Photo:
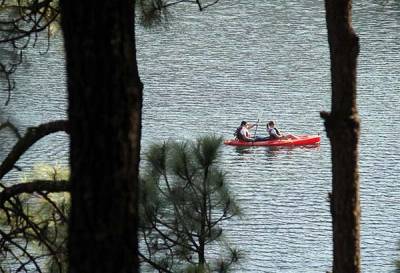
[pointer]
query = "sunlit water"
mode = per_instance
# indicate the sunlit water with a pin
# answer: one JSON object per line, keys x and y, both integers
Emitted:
{"x": 207, "y": 71}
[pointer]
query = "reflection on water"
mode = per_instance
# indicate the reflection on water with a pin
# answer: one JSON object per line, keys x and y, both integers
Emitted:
{"x": 241, "y": 60}
{"x": 272, "y": 150}
{"x": 244, "y": 60}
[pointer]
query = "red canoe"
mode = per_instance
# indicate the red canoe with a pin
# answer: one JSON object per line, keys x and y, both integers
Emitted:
{"x": 301, "y": 140}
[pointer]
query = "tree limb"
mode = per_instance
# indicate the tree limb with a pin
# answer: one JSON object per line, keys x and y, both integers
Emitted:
{"x": 154, "y": 264}
{"x": 32, "y": 135}
{"x": 34, "y": 186}
{"x": 28, "y": 19}
{"x": 197, "y": 2}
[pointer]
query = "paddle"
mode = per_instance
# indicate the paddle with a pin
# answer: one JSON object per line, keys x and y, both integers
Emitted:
{"x": 258, "y": 119}
{"x": 255, "y": 133}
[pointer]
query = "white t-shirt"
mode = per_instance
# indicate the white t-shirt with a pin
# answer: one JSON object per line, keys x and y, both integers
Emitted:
{"x": 245, "y": 132}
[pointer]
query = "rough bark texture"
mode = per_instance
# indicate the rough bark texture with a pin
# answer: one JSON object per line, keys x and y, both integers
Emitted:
{"x": 104, "y": 110}
{"x": 342, "y": 126}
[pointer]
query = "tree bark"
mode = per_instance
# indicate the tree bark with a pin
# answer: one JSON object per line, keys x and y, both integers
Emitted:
{"x": 342, "y": 126}
{"x": 104, "y": 110}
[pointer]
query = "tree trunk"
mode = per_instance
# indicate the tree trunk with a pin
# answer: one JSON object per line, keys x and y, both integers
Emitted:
{"x": 202, "y": 237}
{"x": 104, "y": 110}
{"x": 342, "y": 126}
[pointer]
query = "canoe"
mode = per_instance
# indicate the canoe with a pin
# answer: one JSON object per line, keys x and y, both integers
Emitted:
{"x": 302, "y": 140}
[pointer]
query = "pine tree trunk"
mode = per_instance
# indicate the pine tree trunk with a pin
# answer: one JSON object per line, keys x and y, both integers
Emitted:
{"x": 342, "y": 126}
{"x": 105, "y": 101}
{"x": 202, "y": 237}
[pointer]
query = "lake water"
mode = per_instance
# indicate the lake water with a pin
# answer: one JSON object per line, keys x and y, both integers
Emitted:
{"x": 207, "y": 71}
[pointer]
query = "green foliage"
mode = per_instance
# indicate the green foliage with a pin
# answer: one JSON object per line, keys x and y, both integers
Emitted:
{"x": 36, "y": 224}
{"x": 206, "y": 150}
{"x": 184, "y": 199}
{"x": 155, "y": 12}
{"x": 47, "y": 172}
{"x": 33, "y": 12}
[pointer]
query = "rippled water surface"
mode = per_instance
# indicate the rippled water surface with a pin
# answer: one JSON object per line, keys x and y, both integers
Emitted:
{"x": 207, "y": 71}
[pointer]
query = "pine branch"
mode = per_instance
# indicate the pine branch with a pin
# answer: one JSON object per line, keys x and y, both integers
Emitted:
{"x": 34, "y": 186}
{"x": 23, "y": 249}
{"x": 154, "y": 264}
{"x": 32, "y": 135}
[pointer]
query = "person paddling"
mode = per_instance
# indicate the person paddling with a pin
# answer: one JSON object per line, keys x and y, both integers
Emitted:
{"x": 242, "y": 133}
{"x": 275, "y": 134}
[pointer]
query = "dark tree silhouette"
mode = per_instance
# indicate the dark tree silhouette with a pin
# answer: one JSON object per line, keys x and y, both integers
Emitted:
{"x": 184, "y": 200}
{"x": 342, "y": 126}
{"x": 105, "y": 100}
{"x": 21, "y": 23}
{"x": 104, "y": 112}
{"x": 33, "y": 216}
